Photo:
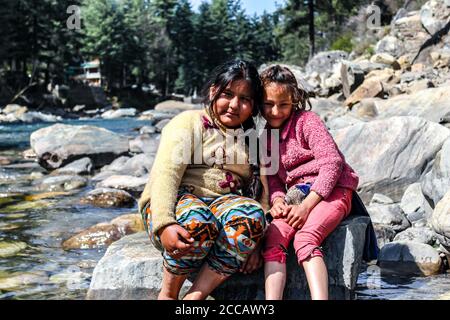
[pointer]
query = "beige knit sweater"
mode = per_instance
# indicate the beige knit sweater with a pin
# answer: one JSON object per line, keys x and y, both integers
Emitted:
{"x": 206, "y": 171}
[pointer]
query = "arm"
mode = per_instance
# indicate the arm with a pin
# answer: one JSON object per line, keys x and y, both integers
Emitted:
{"x": 167, "y": 171}
{"x": 326, "y": 154}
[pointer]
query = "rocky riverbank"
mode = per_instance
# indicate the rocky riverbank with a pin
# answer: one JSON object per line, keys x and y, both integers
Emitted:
{"x": 389, "y": 113}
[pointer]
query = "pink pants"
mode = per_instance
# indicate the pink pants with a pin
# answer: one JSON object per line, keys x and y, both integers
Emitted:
{"x": 322, "y": 220}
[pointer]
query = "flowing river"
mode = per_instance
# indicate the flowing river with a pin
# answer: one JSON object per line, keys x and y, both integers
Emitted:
{"x": 35, "y": 226}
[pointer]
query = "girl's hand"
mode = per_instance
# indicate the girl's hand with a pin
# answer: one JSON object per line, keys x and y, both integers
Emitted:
{"x": 253, "y": 262}
{"x": 176, "y": 240}
{"x": 297, "y": 215}
{"x": 279, "y": 208}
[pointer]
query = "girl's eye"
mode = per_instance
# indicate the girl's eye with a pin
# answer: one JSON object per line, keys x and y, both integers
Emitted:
{"x": 227, "y": 94}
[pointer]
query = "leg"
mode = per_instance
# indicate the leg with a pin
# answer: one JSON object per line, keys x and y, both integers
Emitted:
{"x": 323, "y": 219}
{"x": 278, "y": 236}
{"x": 275, "y": 280}
{"x": 207, "y": 280}
{"x": 195, "y": 216}
{"x": 171, "y": 285}
{"x": 243, "y": 224}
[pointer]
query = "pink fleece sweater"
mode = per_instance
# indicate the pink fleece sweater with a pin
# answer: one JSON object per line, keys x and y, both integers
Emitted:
{"x": 308, "y": 153}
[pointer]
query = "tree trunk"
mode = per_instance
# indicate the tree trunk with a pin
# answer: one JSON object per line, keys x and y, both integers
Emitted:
{"x": 312, "y": 31}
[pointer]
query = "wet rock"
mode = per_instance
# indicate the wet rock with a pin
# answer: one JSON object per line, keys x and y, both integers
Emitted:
{"x": 119, "y": 113}
{"x": 144, "y": 144}
{"x": 390, "y": 154}
{"x": 103, "y": 234}
{"x": 132, "y": 269}
{"x": 73, "y": 278}
{"x": 29, "y": 154}
{"x": 137, "y": 166}
{"x": 161, "y": 124}
{"x": 63, "y": 183}
{"x": 421, "y": 235}
{"x": 409, "y": 258}
{"x": 4, "y": 161}
{"x": 78, "y": 167}
{"x": 25, "y": 206}
{"x": 147, "y": 130}
{"x": 133, "y": 185}
{"x": 60, "y": 144}
{"x": 46, "y": 195}
{"x": 14, "y": 281}
{"x": 384, "y": 233}
{"x": 107, "y": 198}
{"x": 155, "y": 116}
{"x": 390, "y": 215}
{"x": 10, "y": 249}
{"x": 414, "y": 204}
{"x": 174, "y": 105}
{"x": 116, "y": 165}
{"x": 437, "y": 182}
{"x": 14, "y": 108}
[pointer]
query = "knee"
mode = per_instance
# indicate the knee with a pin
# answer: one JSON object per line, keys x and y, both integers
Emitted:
{"x": 307, "y": 246}
{"x": 246, "y": 229}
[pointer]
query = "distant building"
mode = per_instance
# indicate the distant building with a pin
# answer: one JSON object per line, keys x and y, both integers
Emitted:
{"x": 92, "y": 75}
{"x": 88, "y": 73}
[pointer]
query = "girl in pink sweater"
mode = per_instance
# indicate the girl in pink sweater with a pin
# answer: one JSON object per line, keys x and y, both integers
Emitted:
{"x": 311, "y": 162}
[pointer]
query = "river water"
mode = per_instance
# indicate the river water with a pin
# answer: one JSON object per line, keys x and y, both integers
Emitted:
{"x": 42, "y": 270}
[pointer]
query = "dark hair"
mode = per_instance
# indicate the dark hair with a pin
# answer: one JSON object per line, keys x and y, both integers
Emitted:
{"x": 230, "y": 71}
{"x": 284, "y": 76}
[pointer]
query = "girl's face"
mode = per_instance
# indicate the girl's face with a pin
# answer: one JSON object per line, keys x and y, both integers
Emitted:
{"x": 235, "y": 104}
{"x": 278, "y": 105}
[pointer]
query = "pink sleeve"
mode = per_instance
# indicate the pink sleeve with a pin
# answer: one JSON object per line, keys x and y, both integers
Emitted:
{"x": 276, "y": 187}
{"x": 326, "y": 154}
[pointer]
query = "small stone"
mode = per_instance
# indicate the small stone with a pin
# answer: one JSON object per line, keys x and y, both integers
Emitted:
{"x": 9, "y": 249}
{"x": 107, "y": 198}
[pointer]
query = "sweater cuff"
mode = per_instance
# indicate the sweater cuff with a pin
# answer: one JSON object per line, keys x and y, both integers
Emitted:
{"x": 276, "y": 194}
{"x": 323, "y": 192}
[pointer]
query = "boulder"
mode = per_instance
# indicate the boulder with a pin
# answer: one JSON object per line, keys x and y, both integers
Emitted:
{"x": 11, "y": 248}
{"x": 379, "y": 198}
{"x": 390, "y": 154}
{"x": 109, "y": 198}
{"x": 133, "y": 185}
{"x": 119, "y": 113}
{"x": 323, "y": 62}
{"x": 103, "y": 234}
{"x": 174, "y": 105}
{"x": 132, "y": 269}
{"x": 161, "y": 124}
{"x": 421, "y": 235}
{"x": 437, "y": 182}
{"x": 82, "y": 166}
{"x": 62, "y": 183}
{"x": 390, "y": 45}
{"x": 414, "y": 204}
{"x": 431, "y": 104}
{"x": 155, "y": 116}
{"x": 390, "y": 215}
{"x": 434, "y": 15}
{"x": 409, "y": 259}
{"x": 384, "y": 234}
{"x": 144, "y": 143}
{"x": 440, "y": 221}
{"x": 369, "y": 89}
{"x": 60, "y": 144}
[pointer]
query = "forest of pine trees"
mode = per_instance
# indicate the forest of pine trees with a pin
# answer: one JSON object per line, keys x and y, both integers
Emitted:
{"x": 160, "y": 42}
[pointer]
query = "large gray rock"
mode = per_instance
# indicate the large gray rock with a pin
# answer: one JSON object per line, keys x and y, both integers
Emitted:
{"x": 131, "y": 184}
{"x": 60, "y": 144}
{"x": 144, "y": 143}
{"x": 132, "y": 269}
{"x": 440, "y": 221}
{"x": 421, "y": 234}
{"x": 323, "y": 62}
{"x": 107, "y": 198}
{"x": 431, "y": 104}
{"x": 437, "y": 182}
{"x": 119, "y": 113}
{"x": 390, "y": 215}
{"x": 384, "y": 234}
{"x": 434, "y": 15}
{"x": 61, "y": 183}
{"x": 414, "y": 204}
{"x": 409, "y": 258}
{"x": 390, "y": 45}
{"x": 390, "y": 154}
{"x": 82, "y": 166}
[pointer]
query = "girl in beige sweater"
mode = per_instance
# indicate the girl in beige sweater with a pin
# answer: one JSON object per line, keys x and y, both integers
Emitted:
{"x": 197, "y": 205}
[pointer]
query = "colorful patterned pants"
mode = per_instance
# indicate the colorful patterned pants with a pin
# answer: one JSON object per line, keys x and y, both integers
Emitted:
{"x": 226, "y": 230}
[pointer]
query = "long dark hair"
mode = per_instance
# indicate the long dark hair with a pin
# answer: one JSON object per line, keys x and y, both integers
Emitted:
{"x": 235, "y": 70}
